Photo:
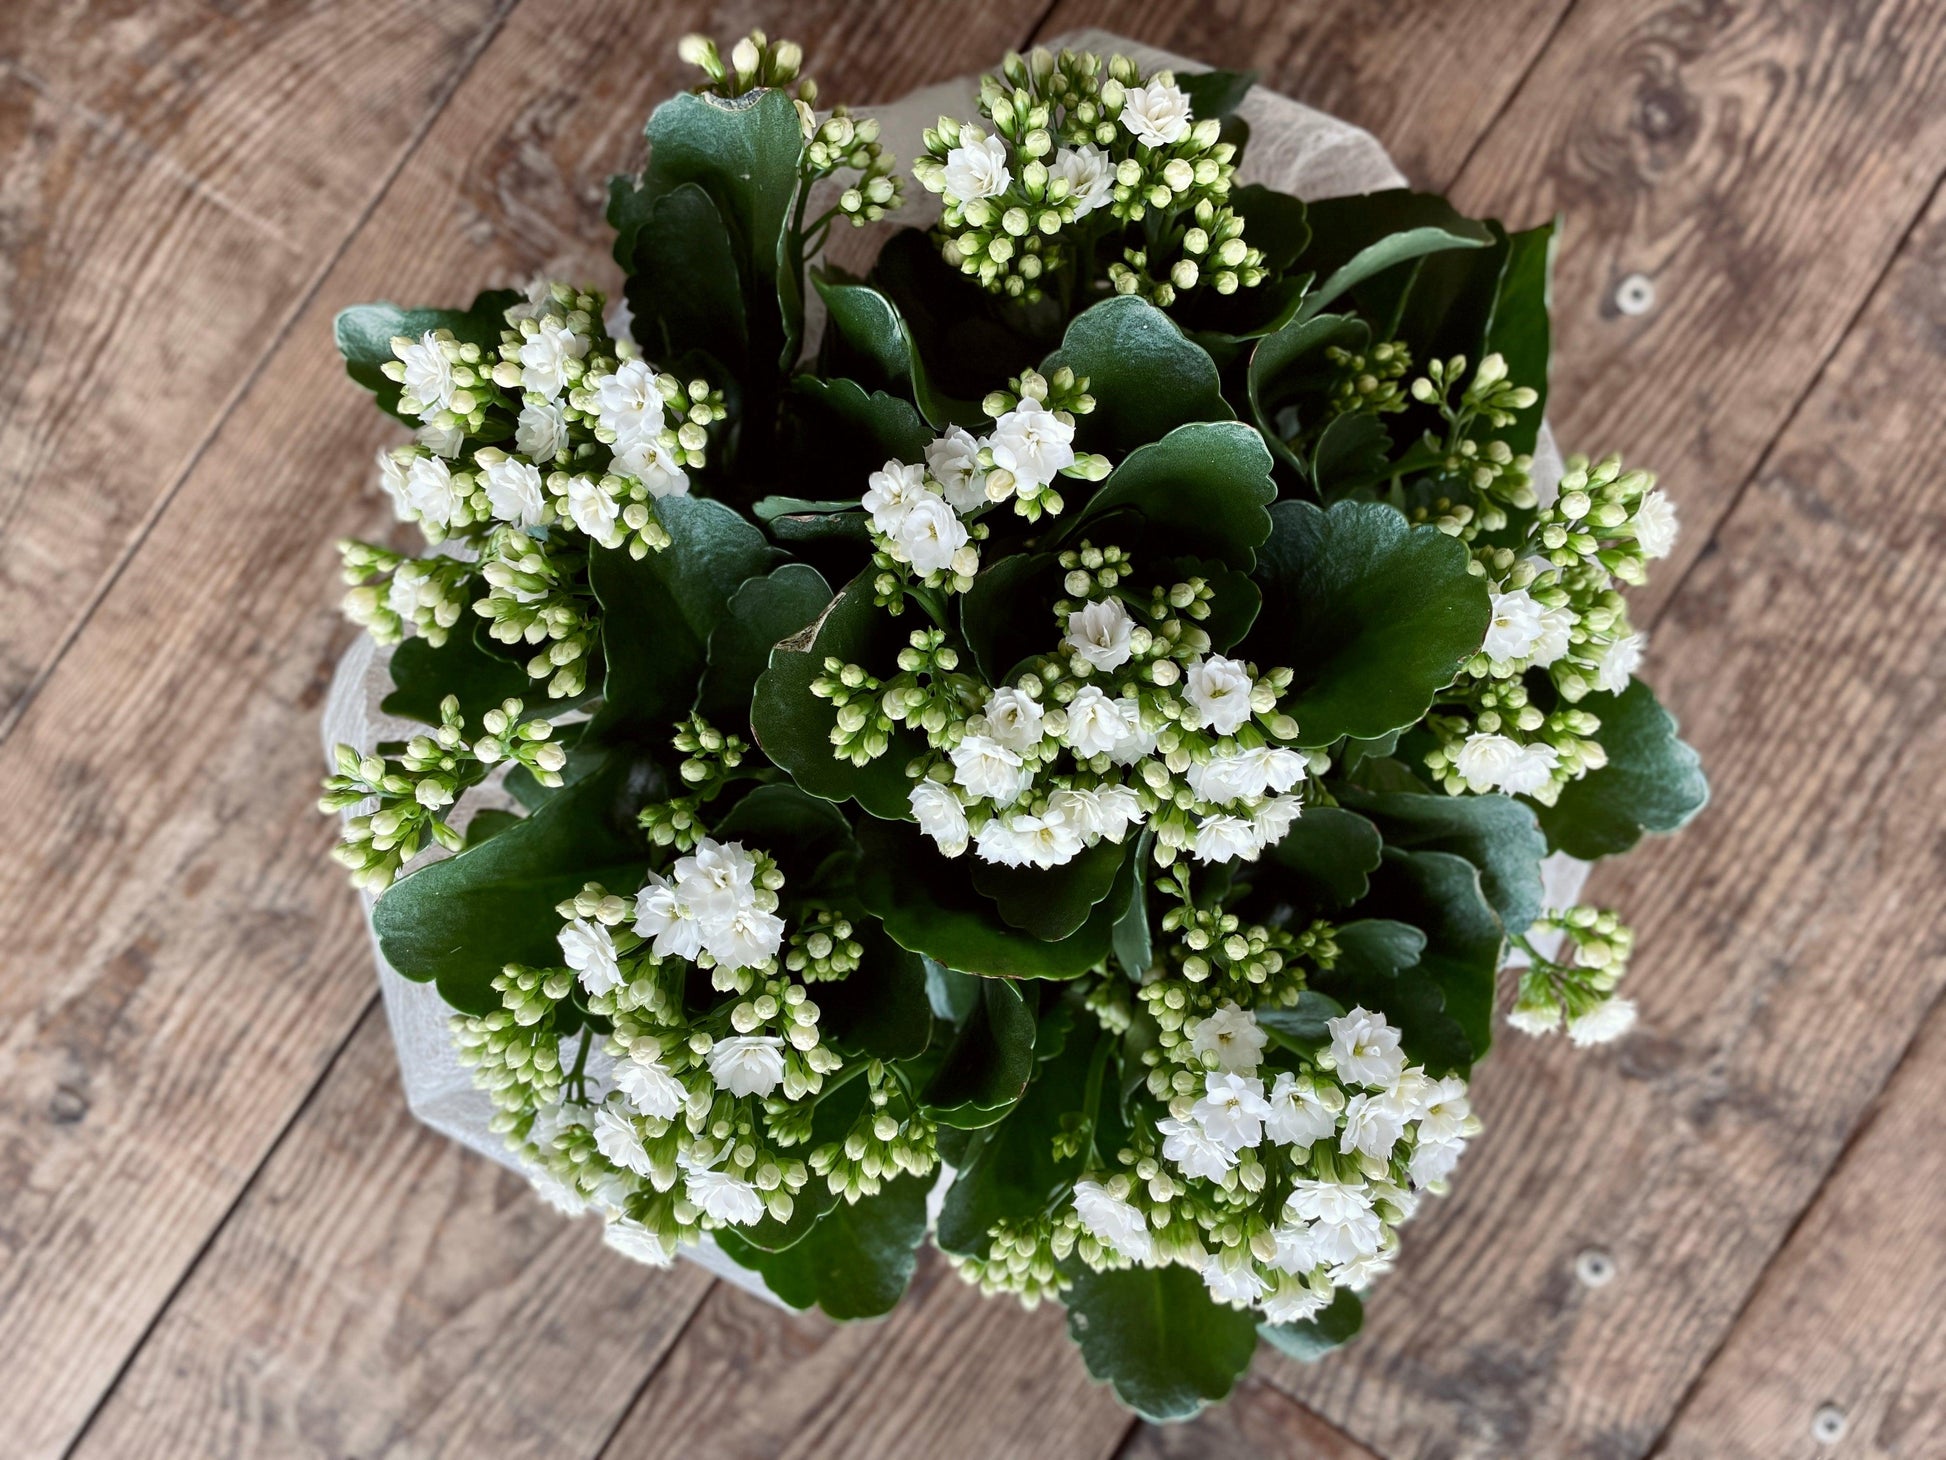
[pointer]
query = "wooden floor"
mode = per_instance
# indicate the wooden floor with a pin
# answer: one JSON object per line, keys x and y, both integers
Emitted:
{"x": 222, "y": 1235}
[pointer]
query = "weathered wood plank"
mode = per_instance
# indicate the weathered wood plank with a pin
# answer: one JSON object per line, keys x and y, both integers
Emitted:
{"x": 1789, "y": 947}
{"x": 1849, "y": 1316}
{"x": 174, "y": 180}
{"x": 382, "y": 1291}
{"x": 1758, "y": 164}
{"x": 1426, "y": 77}
{"x": 947, "y": 1374}
{"x": 184, "y": 959}
{"x": 1257, "y": 1422}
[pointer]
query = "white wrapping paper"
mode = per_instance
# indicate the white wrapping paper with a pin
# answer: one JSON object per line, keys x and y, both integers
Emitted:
{"x": 1292, "y": 147}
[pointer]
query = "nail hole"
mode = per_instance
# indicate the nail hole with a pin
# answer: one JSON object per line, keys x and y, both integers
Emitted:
{"x": 1635, "y": 294}
{"x": 1595, "y": 1268}
{"x": 1828, "y": 1425}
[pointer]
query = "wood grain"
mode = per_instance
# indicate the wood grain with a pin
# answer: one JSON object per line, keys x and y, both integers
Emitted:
{"x": 184, "y": 959}
{"x": 1789, "y": 948}
{"x": 1257, "y": 1422}
{"x": 1759, "y": 164}
{"x": 1849, "y": 1316}
{"x": 382, "y": 1291}
{"x": 948, "y": 1374}
{"x": 169, "y": 198}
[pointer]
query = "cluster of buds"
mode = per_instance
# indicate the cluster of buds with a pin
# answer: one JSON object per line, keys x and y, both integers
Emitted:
{"x": 755, "y": 62}
{"x": 393, "y": 595}
{"x": 1368, "y": 381}
{"x": 1077, "y": 146}
{"x": 538, "y": 595}
{"x": 889, "y": 1138}
{"x": 413, "y": 789}
{"x": 1581, "y": 989}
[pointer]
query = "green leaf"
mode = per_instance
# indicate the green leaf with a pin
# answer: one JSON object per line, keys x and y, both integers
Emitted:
{"x": 1315, "y": 1337}
{"x": 856, "y": 1262}
{"x": 1497, "y": 834}
{"x": 837, "y": 1111}
{"x": 1215, "y": 93}
{"x": 929, "y": 904}
{"x": 843, "y": 434}
{"x": 1374, "y": 615}
{"x": 365, "y": 332}
{"x": 867, "y": 336}
{"x": 1519, "y": 329}
{"x": 881, "y": 1009}
{"x": 1326, "y": 858}
{"x": 1146, "y": 376}
{"x": 793, "y": 726}
{"x": 998, "y": 614}
{"x": 989, "y": 1061}
{"x": 1652, "y": 782}
{"x": 1287, "y": 361}
{"x": 424, "y": 676}
{"x": 759, "y": 614}
{"x": 1052, "y": 903}
{"x": 1203, "y": 488}
{"x": 1132, "y": 939}
{"x": 1350, "y": 450}
{"x": 1010, "y": 1170}
{"x": 458, "y": 922}
{"x": 1302, "y": 1026}
{"x": 1357, "y": 238}
{"x": 680, "y": 236}
{"x": 658, "y": 612}
{"x": 1159, "y": 1338}
{"x": 488, "y": 822}
{"x": 1274, "y": 223}
{"x": 802, "y": 834}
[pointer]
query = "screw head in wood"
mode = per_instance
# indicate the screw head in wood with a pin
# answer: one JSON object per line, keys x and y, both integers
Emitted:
{"x": 1829, "y": 1424}
{"x": 1595, "y": 1268}
{"x": 1635, "y": 294}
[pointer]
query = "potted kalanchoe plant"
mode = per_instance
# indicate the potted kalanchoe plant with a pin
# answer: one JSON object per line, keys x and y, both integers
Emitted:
{"x": 1082, "y": 734}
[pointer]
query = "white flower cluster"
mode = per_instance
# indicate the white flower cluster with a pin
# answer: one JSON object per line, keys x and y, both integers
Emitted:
{"x": 1282, "y": 1186}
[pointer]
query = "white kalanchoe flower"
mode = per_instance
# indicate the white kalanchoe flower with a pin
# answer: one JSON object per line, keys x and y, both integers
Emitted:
{"x": 590, "y": 952}
{"x": 1358, "y": 1273}
{"x": 1342, "y": 1224}
{"x": 1226, "y": 838}
{"x": 1232, "y": 1110}
{"x": 514, "y": 492}
{"x": 1557, "y": 628}
{"x": 1485, "y": 760}
{"x": 668, "y": 920}
{"x": 1231, "y": 1277}
{"x": 428, "y": 378}
{"x": 1099, "y": 634}
{"x": 747, "y": 1064}
{"x": 544, "y": 357}
{"x": 954, "y": 461}
{"x": 1035, "y": 841}
{"x": 930, "y": 534}
{"x": 443, "y": 441}
{"x": 632, "y": 1239}
{"x": 1100, "y": 811}
{"x": 1301, "y": 1113}
{"x": 1532, "y": 771}
{"x": 1619, "y": 661}
{"x": 717, "y": 867}
{"x": 594, "y": 511}
{"x": 1158, "y": 114}
{"x": 1513, "y": 627}
{"x": 1445, "y": 1112}
{"x": 430, "y": 491}
{"x": 986, "y": 768}
{"x": 1433, "y": 1161}
{"x": 1094, "y": 723}
{"x": 392, "y": 467}
{"x": 652, "y": 464}
{"x": 1364, "y": 1049}
{"x": 541, "y": 433}
{"x": 1137, "y": 743}
{"x": 1374, "y": 1124}
{"x": 1293, "y": 1301}
{"x": 1032, "y": 444}
{"x": 554, "y": 1191}
{"x": 940, "y": 816}
{"x": 1089, "y": 175}
{"x": 1219, "y": 692}
{"x": 746, "y": 937}
{"x": 1195, "y": 1152}
{"x": 1273, "y": 820}
{"x": 618, "y": 1140}
{"x": 649, "y": 1086}
{"x": 1233, "y": 1035}
{"x": 1607, "y": 1021}
{"x": 1115, "y": 1222}
{"x": 627, "y": 403}
{"x": 1013, "y": 718}
{"x": 977, "y": 168}
{"x": 891, "y": 492}
{"x": 1655, "y": 524}
{"x": 723, "y": 1195}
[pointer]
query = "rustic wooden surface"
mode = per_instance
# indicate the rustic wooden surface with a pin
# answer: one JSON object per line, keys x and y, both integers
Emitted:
{"x": 220, "y": 1232}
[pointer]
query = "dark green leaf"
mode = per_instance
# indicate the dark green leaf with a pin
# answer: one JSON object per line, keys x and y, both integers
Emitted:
{"x": 365, "y": 332}
{"x": 881, "y": 1009}
{"x": 844, "y": 434}
{"x": 489, "y": 822}
{"x": 760, "y": 613}
{"x": 856, "y": 1262}
{"x": 1274, "y": 223}
{"x": 1351, "y": 449}
{"x": 1519, "y": 330}
{"x": 1497, "y": 834}
{"x": 801, "y": 833}
{"x": 1326, "y": 858}
{"x": 1315, "y": 1337}
{"x": 997, "y": 614}
{"x": 1652, "y": 782}
{"x": 1355, "y": 239}
{"x": 988, "y": 1063}
{"x": 866, "y": 336}
{"x": 1203, "y": 488}
{"x": 1374, "y": 615}
{"x": 1215, "y": 93}
{"x": 1159, "y": 1338}
{"x": 681, "y": 236}
{"x": 1301, "y": 1027}
{"x": 1146, "y": 376}
{"x": 424, "y": 676}
{"x": 460, "y": 921}
{"x": 1052, "y": 903}
{"x": 838, "y": 1109}
{"x": 1286, "y": 362}
{"x": 1133, "y": 941}
{"x": 794, "y": 726}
